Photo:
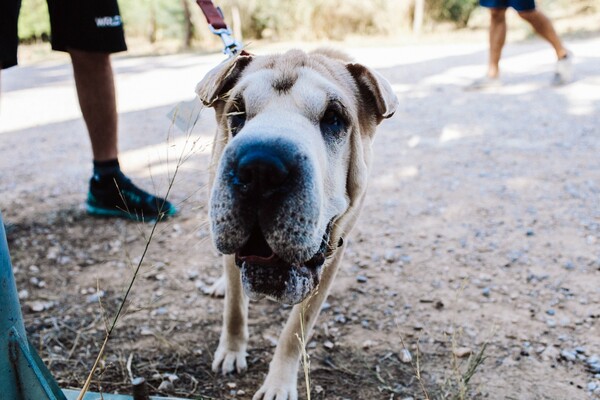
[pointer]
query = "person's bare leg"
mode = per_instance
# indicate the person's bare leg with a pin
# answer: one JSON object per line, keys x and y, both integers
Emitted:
{"x": 96, "y": 93}
{"x": 544, "y": 28}
{"x": 497, "y": 39}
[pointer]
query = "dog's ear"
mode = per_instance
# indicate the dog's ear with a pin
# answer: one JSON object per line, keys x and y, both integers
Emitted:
{"x": 221, "y": 79}
{"x": 375, "y": 91}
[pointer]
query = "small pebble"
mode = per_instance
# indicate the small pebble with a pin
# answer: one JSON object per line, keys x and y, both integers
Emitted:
{"x": 486, "y": 292}
{"x": 461, "y": 352}
{"x": 405, "y": 258}
{"x": 405, "y": 356}
{"x": 192, "y": 275}
{"x": 568, "y": 355}
{"x": 361, "y": 279}
{"x": 390, "y": 256}
{"x": 171, "y": 377}
{"x": 160, "y": 311}
{"x": 94, "y": 298}
{"x": 593, "y": 359}
{"x": 39, "y": 306}
{"x": 166, "y": 386}
{"x": 340, "y": 318}
{"x": 328, "y": 344}
{"x": 569, "y": 265}
{"x": 367, "y": 344}
{"x": 550, "y": 312}
{"x": 145, "y": 331}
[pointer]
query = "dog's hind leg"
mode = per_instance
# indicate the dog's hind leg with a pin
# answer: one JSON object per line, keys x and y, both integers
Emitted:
{"x": 231, "y": 352}
{"x": 281, "y": 381}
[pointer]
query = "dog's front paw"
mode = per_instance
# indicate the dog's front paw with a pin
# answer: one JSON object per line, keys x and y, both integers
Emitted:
{"x": 217, "y": 289}
{"x": 228, "y": 361}
{"x": 277, "y": 388}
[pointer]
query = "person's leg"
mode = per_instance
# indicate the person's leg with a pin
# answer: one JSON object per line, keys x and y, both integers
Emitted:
{"x": 76, "y": 31}
{"x": 111, "y": 193}
{"x": 96, "y": 93}
{"x": 497, "y": 38}
{"x": 545, "y": 29}
{"x": 543, "y": 26}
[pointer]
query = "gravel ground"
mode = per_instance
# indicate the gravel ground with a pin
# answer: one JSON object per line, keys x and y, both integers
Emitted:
{"x": 481, "y": 232}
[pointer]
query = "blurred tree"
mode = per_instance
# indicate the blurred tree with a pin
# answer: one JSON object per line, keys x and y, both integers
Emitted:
{"x": 279, "y": 19}
{"x": 188, "y": 24}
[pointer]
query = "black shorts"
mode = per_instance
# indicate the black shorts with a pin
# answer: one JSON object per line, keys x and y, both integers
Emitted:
{"x": 9, "y": 40}
{"x": 88, "y": 25}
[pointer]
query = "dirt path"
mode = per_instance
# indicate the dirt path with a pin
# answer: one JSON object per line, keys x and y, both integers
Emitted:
{"x": 482, "y": 226}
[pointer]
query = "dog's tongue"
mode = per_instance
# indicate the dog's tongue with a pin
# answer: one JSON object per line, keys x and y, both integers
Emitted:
{"x": 273, "y": 259}
{"x": 257, "y": 250}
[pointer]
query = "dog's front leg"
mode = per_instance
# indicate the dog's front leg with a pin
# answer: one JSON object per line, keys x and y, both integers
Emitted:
{"x": 231, "y": 353}
{"x": 281, "y": 381}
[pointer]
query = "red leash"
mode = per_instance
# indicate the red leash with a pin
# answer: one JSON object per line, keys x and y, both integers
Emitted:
{"x": 217, "y": 25}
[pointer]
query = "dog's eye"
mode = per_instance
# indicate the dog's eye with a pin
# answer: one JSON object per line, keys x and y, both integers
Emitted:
{"x": 237, "y": 119}
{"x": 332, "y": 123}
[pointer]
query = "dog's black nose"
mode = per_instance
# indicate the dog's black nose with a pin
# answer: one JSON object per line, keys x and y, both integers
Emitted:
{"x": 261, "y": 171}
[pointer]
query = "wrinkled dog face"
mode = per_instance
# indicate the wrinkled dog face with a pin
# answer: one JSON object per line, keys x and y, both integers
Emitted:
{"x": 284, "y": 151}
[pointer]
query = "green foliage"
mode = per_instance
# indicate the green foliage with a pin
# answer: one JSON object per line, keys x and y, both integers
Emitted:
{"x": 33, "y": 21}
{"x": 457, "y": 11}
{"x": 272, "y": 19}
{"x": 155, "y": 19}
{"x": 312, "y": 19}
{"x": 142, "y": 18}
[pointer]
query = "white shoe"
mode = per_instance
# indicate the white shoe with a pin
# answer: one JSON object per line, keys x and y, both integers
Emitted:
{"x": 564, "y": 70}
{"x": 484, "y": 83}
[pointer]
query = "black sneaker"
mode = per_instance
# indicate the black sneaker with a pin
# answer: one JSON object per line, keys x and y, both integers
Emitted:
{"x": 117, "y": 196}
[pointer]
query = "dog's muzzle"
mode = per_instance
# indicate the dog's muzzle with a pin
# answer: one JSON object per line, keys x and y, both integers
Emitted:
{"x": 264, "y": 273}
{"x": 265, "y": 209}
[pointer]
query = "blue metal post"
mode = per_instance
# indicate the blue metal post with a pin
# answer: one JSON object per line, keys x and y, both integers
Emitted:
{"x": 11, "y": 321}
{"x": 23, "y": 376}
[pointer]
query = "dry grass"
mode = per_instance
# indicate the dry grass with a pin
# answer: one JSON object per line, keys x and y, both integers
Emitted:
{"x": 183, "y": 156}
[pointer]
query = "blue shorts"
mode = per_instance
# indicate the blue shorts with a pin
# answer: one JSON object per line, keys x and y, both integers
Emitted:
{"x": 519, "y": 5}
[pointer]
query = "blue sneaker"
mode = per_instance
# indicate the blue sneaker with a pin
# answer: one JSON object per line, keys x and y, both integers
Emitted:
{"x": 117, "y": 196}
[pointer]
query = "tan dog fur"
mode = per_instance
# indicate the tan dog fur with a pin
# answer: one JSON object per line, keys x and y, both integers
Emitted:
{"x": 299, "y": 82}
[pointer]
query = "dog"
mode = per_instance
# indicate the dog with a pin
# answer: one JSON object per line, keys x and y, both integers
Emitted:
{"x": 289, "y": 170}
